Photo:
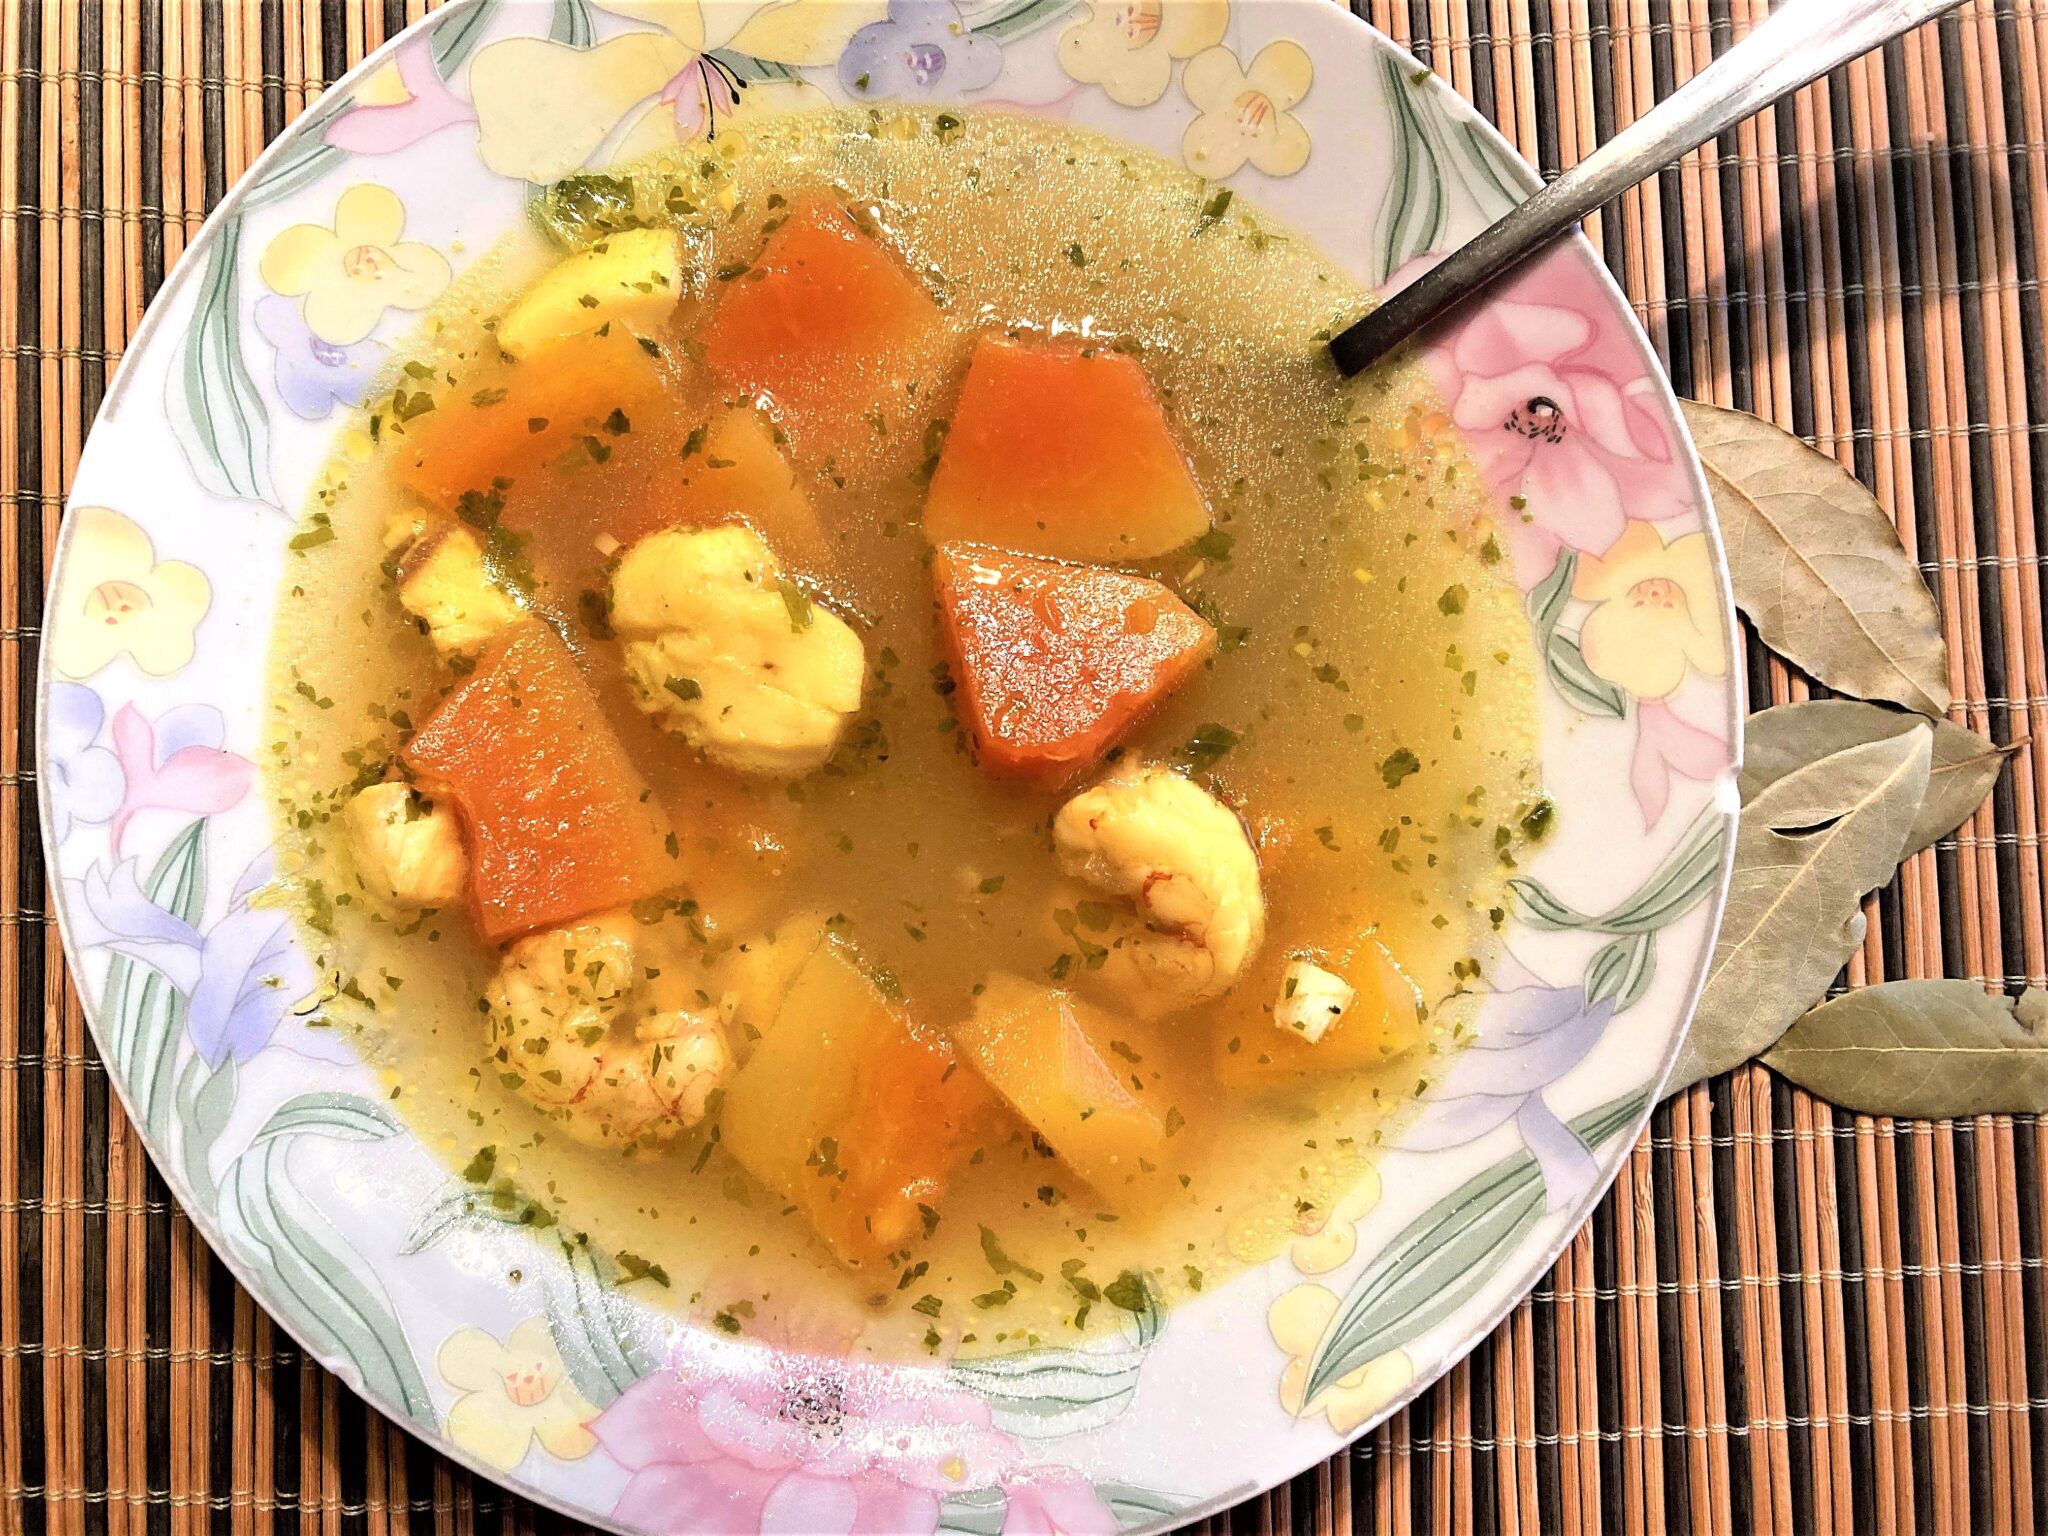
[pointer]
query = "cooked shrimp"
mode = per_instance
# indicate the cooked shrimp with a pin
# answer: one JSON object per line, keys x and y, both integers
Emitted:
{"x": 1183, "y": 859}
{"x": 566, "y": 1034}
{"x": 723, "y": 650}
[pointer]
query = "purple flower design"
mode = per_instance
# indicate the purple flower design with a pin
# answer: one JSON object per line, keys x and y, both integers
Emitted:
{"x": 239, "y": 977}
{"x": 921, "y": 47}
{"x": 1534, "y": 1035}
{"x": 85, "y": 778}
{"x": 314, "y": 376}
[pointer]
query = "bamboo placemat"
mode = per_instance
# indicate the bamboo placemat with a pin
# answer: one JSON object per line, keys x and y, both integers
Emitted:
{"x": 1784, "y": 1318}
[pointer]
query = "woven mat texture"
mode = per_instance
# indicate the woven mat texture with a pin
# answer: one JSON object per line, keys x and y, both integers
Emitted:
{"x": 1784, "y": 1318}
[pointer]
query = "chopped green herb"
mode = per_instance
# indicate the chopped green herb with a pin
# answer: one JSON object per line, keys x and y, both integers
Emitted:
{"x": 1399, "y": 765}
{"x": 1206, "y": 747}
{"x": 405, "y": 407}
{"x": 322, "y": 532}
{"x": 578, "y": 211}
{"x": 1229, "y": 636}
{"x": 1129, "y": 1292}
{"x": 633, "y": 1267}
{"x": 1001, "y": 1262}
{"x": 797, "y": 602}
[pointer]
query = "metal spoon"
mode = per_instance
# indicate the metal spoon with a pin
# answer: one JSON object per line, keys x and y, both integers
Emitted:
{"x": 1797, "y": 43}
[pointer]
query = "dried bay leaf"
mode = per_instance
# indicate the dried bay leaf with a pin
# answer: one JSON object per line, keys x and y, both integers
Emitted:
{"x": 1965, "y": 765}
{"x": 1817, "y": 565}
{"x": 1809, "y": 847}
{"x": 1924, "y": 1049}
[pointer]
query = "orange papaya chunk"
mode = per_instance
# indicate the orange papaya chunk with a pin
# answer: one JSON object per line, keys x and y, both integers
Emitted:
{"x": 822, "y": 320}
{"x": 850, "y": 1116}
{"x": 559, "y": 823}
{"x": 1046, "y": 1052}
{"x": 1062, "y": 450}
{"x": 731, "y": 470}
{"x": 1383, "y": 1023}
{"x": 518, "y": 421}
{"x": 1059, "y": 661}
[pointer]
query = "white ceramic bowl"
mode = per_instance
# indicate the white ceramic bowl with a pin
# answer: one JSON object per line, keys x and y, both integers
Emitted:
{"x": 354, "y": 1236}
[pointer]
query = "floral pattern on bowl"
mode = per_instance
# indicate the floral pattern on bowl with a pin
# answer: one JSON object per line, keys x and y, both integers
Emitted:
{"x": 568, "y": 1382}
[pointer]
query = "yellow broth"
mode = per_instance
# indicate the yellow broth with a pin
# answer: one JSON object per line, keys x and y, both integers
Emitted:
{"x": 1368, "y": 624}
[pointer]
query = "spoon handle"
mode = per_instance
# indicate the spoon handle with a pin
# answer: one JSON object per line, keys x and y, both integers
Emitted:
{"x": 1797, "y": 43}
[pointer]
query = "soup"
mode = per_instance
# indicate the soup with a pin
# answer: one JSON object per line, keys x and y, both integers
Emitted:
{"x": 876, "y": 730}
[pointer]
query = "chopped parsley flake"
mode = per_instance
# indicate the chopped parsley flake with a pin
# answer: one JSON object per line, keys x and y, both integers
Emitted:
{"x": 1399, "y": 765}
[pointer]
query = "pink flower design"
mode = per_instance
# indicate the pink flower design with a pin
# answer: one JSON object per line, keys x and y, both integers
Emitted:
{"x": 733, "y": 1438}
{"x": 1055, "y": 1501}
{"x": 1666, "y": 744}
{"x": 399, "y": 105}
{"x": 176, "y": 764}
{"x": 703, "y": 95}
{"x": 1549, "y": 387}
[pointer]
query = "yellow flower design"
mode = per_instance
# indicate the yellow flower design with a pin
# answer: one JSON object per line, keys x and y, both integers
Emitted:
{"x": 1128, "y": 46}
{"x": 796, "y": 32}
{"x": 513, "y": 1394}
{"x": 352, "y": 273}
{"x": 1245, "y": 113}
{"x": 1297, "y": 1321}
{"x": 544, "y": 109}
{"x": 703, "y": 98}
{"x": 1656, "y": 615}
{"x": 383, "y": 87}
{"x": 1318, "y": 1226}
{"x": 116, "y": 598}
